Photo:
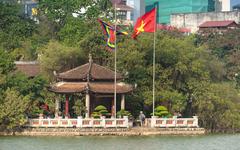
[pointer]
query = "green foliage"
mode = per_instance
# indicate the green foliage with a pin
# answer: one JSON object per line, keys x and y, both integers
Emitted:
{"x": 100, "y": 107}
{"x": 58, "y": 57}
{"x": 99, "y": 111}
{"x": 13, "y": 26}
{"x": 12, "y": 109}
{"x": 79, "y": 107}
{"x": 123, "y": 112}
{"x": 6, "y": 62}
{"x": 162, "y": 111}
{"x": 73, "y": 31}
{"x": 59, "y": 10}
{"x": 218, "y": 107}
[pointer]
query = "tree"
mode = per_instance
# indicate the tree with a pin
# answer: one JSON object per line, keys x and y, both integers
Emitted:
{"x": 217, "y": 106}
{"x": 59, "y": 10}
{"x": 58, "y": 57}
{"x": 73, "y": 31}
{"x": 12, "y": 109}
{"x": 14, "y": 27}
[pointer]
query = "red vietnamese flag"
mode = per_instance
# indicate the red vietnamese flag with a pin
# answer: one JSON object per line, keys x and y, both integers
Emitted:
{"x": 145, "y": 23}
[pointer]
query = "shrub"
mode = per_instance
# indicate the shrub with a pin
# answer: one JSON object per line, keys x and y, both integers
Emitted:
{"x": 161, "y": 111}
{"x": 100, "y": 107}
{"x": 123, "y": 112}
{"x": 99, "y": 111}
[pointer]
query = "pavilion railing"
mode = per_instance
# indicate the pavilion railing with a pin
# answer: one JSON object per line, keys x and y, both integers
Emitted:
{"x": 81, "y": 123}
{"x": 174, "y": 122}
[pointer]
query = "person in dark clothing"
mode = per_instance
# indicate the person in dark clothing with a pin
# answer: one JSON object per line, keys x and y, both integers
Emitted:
{"x": 142, "y": 118}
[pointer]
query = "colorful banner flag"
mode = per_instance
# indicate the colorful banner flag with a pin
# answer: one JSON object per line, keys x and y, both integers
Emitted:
{"x": 145, "y": 23}
{"x": 109, "y": 31}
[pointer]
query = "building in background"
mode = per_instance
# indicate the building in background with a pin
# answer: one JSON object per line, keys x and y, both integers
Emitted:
{"x": 124, "y": 11}
{"x": 167, "y": 7}
{"x": 30, "y": 9}
{"x": 139, "y": 8}
{"x": 192, "y": 21}
{"x": 226, "y": 5}
{"x": 219, "y": 27}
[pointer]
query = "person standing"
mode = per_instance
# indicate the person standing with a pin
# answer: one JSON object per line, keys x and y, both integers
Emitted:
{"x": 142, "y": 118}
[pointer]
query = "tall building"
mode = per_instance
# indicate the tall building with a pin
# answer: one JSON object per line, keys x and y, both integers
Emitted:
{"x": 226, "y": 5}
{"x": 167, "y": 7}
{"x": 139, "y": 8}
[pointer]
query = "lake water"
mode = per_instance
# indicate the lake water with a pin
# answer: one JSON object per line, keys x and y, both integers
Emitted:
{"x": 209, "y": 142}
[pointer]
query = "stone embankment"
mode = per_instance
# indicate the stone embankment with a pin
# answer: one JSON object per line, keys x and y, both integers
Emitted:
{"x": 136, "y": 131}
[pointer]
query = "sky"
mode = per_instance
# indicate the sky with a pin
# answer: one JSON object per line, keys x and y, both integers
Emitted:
{"x": 235, "y": 2}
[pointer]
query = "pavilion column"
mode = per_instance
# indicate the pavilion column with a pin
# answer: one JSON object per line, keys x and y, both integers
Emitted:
{"x": 67, "y": 106}
{"x": 123, "y": 101}
{"x": 112, "y": 108}
{"x": 56, "y": 107}
{"x": 87, "y": 104}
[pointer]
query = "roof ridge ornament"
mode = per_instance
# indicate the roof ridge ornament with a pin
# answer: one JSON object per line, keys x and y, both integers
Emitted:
{"x": 90, "y": 58}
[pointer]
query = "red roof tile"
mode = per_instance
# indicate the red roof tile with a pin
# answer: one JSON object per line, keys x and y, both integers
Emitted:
{"x": 96, "y": 72}
{"x": 217, "y": 23}
{"x": 29, "y": 68}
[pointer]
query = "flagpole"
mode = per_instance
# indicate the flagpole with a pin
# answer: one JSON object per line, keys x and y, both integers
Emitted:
{"x": 115, "y": 65}
{"x": 154, "y": 70}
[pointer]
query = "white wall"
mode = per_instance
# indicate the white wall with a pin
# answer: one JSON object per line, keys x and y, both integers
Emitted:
{"x": 193, "y": 20}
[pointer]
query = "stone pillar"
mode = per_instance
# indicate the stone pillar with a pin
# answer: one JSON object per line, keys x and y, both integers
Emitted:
{"x": 112, "y": 109}
{"x": 123, "y": 101}
{"x": 87, "y": 104}
{"x": 56, "y": 108}
{"x": 67, "y": 106}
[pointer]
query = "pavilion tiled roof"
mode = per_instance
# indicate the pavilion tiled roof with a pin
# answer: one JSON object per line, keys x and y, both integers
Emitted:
{"x": 95, "y": 72}
{"x": 96, "y": 87}
{"x": 210, "y": 24}
{"x": 109, "y": 87}
{"x": 29, "y": 68}
{"x": 68, "y": 87}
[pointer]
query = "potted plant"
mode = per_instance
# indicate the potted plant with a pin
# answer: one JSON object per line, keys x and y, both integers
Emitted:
{"x": 100, "y": 111}
{"x": 162, "y": 111}
{"x": 79, "y": 108}
{"x": 123, "y": 112}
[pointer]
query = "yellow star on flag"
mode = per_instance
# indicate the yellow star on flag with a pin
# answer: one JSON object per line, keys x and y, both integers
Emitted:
{"x": 141, "y": 28}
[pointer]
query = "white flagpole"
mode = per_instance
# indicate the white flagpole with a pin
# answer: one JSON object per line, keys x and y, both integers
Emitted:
{"x": 115, "y": 66}
{"x": 154, "y": 70}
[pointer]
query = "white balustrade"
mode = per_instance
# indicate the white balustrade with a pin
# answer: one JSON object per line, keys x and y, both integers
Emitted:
{"x": 174, "y": 122}
{"x": 79, "y": 122}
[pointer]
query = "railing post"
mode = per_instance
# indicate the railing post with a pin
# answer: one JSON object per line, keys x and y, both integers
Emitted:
{"x": 79, "y": 121}
{"x": 103, "y": 122}
{"x": 175, "y": 121}
{"x": 195, "y": 122}
{"x": 185, "y": 122}
{"x": 126, "y": 121}
{"x": 153, "y": 121}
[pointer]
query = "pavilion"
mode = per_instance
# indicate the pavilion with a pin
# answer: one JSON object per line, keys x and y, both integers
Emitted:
{"x": 96, "y": 83}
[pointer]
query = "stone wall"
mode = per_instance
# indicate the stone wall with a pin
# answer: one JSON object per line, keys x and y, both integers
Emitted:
{"x": 193, "y": 20}
{"x": 105, "y": 131}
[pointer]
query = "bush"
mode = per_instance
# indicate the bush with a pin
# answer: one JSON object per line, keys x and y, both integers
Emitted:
{"x": 162, "y": 111}
{"x": 79, "y": 108}
{"x": 99, "y": 111}
{"x": 123, "y": 112}
{"x": 100, "y": 107}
